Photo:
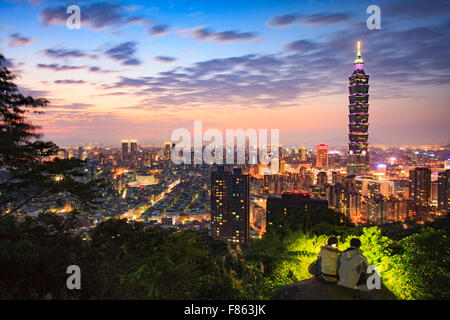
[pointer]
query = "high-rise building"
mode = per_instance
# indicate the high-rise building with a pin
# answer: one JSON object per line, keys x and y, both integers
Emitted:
{"x": 124, "y": 149}
{"x": 80, "y": 152}
{"x": 336, "y": 177}
{"x": 133, "y": 153}
{"x": 420, "y": 190}
{"x": 230, "y": 206}
{"x": 322, "y": 179}
{"x": 321, "y": 155}
{"x": 167, "y": 151}
{"x": 280, "y": 158}
{"x": 358, "y": 119}
{"x": 133, "y": 147}
{"x": 303, "y": 156}
{"x": 444, "y": 191}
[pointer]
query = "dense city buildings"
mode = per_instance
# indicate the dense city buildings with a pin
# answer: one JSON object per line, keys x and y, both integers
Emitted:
{"x": 153, "y": 190}
{"x": 406, "y": 184}
{"x": 358, "y": 119}
{"x": 230, "y": 204}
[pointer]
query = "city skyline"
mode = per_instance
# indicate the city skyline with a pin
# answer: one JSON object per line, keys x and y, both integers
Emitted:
{"x": 142, "y": 71}
{"x": 203, "y": 151}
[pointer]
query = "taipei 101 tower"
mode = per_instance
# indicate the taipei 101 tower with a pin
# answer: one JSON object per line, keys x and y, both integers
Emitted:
{"x": 358, "y": 126}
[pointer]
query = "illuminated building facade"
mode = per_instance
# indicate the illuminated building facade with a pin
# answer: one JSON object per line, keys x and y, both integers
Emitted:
{"x": 80, "y": 153}
{"x": 124, "y": 149}
{"x": 358, "y": 164}
{"x": 321, "y": 155}
{"x": 303, "y": 157}
{"x": 167, "y": 151}
{"x": 230, "y": 206}
{"x": 133, "y": 147}
{"x": 133, "y": 153}
{"x": 420, "y": 189}
{"x": 322, "y": 179}
{"x": 444, "y": 191}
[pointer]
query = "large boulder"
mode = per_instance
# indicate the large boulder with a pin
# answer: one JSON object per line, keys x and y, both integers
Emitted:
{"x": 313, "y": 289}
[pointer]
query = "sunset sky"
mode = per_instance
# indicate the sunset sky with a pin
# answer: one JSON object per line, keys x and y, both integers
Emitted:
{"x": 140, "y": 69}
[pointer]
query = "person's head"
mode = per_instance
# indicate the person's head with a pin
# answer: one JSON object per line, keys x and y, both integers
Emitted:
{"x": 332, "y": 241}
{"x": 355, "y": 242}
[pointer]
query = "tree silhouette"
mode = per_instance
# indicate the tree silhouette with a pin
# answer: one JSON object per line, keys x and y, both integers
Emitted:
{"x": 27, "y": 171}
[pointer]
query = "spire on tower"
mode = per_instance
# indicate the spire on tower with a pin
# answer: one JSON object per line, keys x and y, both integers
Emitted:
{"x": 359, "y": 60}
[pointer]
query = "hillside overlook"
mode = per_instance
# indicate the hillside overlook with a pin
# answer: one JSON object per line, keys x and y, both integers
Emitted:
{"x": 312, "y": 289}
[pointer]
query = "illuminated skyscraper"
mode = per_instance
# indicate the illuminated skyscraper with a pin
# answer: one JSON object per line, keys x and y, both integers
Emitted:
{"x": 420, "y": 189}
{"x": 444, "y": 191}
{"x": 167, "y": 151}
{"x": 358, "y": 119}
{"x": 133, "y": 147}
{"x": 280, "y": 158}
{"x": 321, "y": 155}
{"x": 80, "y": 152}
{"x": 303, "y": 157}
{"x": 124, "y": 149}
{"x": 322, "y": 179}
{"x": 133, "y": 153}
{"x": 230, "y": 206}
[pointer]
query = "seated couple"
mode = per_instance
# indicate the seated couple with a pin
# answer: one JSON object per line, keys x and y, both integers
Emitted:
{"x": 348, "y": 268}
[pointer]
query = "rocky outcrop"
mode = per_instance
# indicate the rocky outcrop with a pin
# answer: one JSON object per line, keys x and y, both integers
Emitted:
{"x": 313, "y": 289}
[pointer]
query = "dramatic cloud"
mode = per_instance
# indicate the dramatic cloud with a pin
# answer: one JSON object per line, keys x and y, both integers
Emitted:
{"x": 413, "y": 57}
{"x": 66, "y": 53}
{"x": 124, "y": 53}
{"x": 129, "y": 82}
{"x": 96, "y": 16}
{"x": 284, "y": 20}
{"x": 16, "y": 40}
{"x": 99, "y": 70}
{"x": 203, "y": 33}
{"x": 165, "y": 59}
{"x": 57, "y": 67}
{"x": 72, "y": 106}
{"x": 159, "y": 30}
{"x": 301, "y": 45}
{"x": 69, "y": 81}
{"x": 319, "y": 19}
{"x": 34, "y": 93}
{"x": 325, "y": 19}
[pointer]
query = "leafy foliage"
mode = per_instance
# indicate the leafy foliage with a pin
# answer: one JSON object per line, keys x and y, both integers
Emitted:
{"x": 423, "y": 267}
{"x": 122, "y": 260}
{"x": 26, "y": 174}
